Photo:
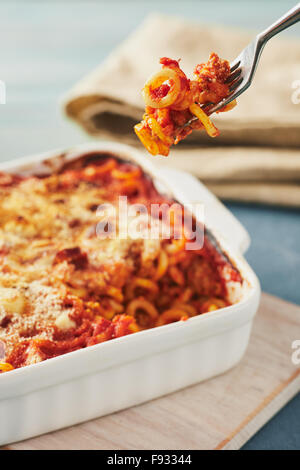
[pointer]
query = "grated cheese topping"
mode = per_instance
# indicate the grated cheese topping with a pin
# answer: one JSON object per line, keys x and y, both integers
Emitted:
{"x": 38, "y": 219}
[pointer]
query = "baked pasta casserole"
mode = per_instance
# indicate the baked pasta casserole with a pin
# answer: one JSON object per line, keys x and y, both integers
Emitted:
{"x": 64, "y": 286}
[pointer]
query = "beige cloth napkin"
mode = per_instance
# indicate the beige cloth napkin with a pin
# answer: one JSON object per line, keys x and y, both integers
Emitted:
{"x": 256, "y": 157}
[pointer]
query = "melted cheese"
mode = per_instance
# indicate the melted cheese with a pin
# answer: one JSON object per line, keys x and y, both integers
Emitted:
{"x": 38, "y": 220}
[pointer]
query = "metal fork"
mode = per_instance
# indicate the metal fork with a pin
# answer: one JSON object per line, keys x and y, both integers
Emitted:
{"x": 244, "y": 66}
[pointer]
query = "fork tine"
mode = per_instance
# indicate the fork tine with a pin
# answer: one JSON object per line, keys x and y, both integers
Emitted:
{"x": 234, "y": 65}
{"x": 235, "y": 84}
{"x": 233, "y": 76}
{"x": 221, "y": 104}
{"x": 203, "y": 106}
{"x": 234, "y": 81}
{"x": 235, "y": 91}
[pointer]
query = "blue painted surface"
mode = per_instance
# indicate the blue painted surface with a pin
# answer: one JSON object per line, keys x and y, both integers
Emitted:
{"x": 275, "y": 247}
{"x": 274, "y": 254}
{"x": 281, "y": 433}
{"x": 47, "y": 46}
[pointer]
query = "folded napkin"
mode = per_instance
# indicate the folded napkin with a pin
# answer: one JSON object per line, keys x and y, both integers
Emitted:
{"x": 256, "y": 157}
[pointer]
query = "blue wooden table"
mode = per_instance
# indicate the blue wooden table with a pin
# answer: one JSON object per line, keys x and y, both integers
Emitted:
{"x": 47, "y": 46}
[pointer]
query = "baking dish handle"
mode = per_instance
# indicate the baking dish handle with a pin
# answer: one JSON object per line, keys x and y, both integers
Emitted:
{"x": 217, "y": 217}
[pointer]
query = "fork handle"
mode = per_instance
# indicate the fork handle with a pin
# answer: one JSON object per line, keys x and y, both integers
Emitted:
{"x": 287, "y": 20}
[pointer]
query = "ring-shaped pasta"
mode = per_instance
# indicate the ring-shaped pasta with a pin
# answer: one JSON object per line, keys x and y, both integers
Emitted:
{"x": 144, "y": 305}
{"x": 92, "y": 172}
{"x": 143, "y": 283}
{"x": 116, "y": 306}
{"x": 203, "y": 117}
{"x": 176, "y": 245}
{"x": 145, "y": 136}
{"x": 170, "y": 316}
{"x": 5, "y": 367}
{"x": 111, "y": 308}
{"x": 115, "y": 292}
{"x": 186, "y": 295}
{"x": 213, "y": 304}
{"x": 126, "y": 175}
{"x": 162, "y": 265}
{"x": 131, "y": 186}
{"x": 188, "y": 308}
{"x": 177, "y": 275}
{"x": 158, "y": 130}
{"x": 157, "y": 80}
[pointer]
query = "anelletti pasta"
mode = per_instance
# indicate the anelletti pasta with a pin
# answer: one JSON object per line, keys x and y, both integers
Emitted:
{"x": 172, "y": 100}
{"x": 64, "y": 287}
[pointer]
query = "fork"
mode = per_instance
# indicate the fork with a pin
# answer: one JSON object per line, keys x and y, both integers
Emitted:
{"x": 244, "y": 66}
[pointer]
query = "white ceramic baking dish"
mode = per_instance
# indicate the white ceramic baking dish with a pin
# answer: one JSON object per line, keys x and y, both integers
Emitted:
{"x": 111, "y": 376}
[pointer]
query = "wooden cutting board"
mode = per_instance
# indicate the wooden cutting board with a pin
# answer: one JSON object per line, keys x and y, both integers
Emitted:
{"x": 222, "y": 413}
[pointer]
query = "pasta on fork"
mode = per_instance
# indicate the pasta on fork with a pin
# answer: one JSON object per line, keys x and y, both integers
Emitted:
{"x": 172, "y": 101}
